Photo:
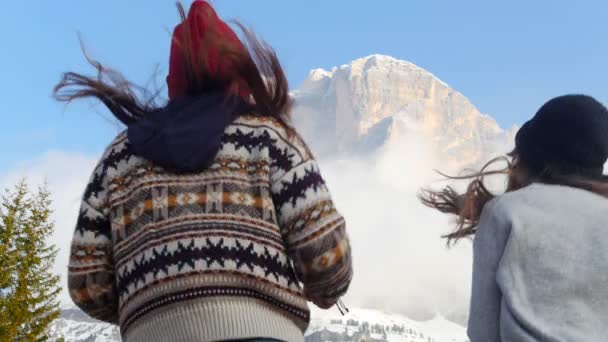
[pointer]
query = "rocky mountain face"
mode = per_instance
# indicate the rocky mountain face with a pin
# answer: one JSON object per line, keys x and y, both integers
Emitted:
{"x": 378, "y": 100}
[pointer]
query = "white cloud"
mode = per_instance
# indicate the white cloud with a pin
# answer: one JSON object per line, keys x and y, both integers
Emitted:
{"x": 401, "y": 263}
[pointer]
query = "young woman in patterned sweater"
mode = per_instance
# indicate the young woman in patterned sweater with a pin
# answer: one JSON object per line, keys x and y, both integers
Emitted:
{"x": 207, "y": 219}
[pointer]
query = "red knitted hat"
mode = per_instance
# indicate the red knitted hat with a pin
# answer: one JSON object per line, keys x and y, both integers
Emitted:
{"x": 202, "y": 22}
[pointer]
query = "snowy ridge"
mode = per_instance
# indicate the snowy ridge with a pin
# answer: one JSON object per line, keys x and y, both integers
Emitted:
{"x": 358, "y": 66}
{"x": 326, "y": 326}
{"x": 372, "y": 325}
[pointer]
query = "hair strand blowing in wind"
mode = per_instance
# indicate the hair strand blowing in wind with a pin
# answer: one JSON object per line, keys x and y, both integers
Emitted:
{"x": 252, "y": 68}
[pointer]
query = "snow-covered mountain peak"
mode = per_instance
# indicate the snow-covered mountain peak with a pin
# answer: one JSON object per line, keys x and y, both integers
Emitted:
{"x": 316, "y": 75}
{"x": 382, "y": 63}
{"x": 373, "y": 101}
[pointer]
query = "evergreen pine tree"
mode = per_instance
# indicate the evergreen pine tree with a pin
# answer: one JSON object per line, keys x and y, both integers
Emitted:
{"x": 28, "y": 289}
{"x": 11, "y": 211}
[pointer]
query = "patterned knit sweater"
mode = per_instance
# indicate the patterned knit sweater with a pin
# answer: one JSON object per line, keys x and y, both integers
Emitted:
{"x": 224, "y": 253}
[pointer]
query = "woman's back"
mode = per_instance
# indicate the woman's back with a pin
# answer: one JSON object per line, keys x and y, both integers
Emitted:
{"x": 208, "y": 219}
{"x": 208, "y": 256}
{"x": 550, "y": 244}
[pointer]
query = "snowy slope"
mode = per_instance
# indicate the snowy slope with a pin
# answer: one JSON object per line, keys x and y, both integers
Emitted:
{"x": 75, "y": 325}
{"x": 372, "y": 325}
{"x": 328, "y": 326}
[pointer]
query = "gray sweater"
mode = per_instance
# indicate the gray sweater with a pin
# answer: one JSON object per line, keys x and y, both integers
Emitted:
{"x": 540, "y": 270}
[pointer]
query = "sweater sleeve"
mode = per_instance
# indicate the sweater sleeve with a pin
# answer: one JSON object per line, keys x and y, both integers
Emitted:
{"x": 91, "y": 271}
{"x": 488, "y": 247}
{"x": 314, "y": 231}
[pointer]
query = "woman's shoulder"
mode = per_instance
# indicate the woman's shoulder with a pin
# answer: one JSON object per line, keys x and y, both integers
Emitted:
{"x": 497, "y": 209}
{"x": 255, "y": 121}
{"x": 505, "y": 207}
{"x": 526, "y": 195}
{"x": 118, "y": 146}
{"x": 547, "y": 194}
{"x": 116, "y": 155}
{"x": 278, "y": 132}
{"x": 511, "y": 203}
{"x": 534, "y": 201}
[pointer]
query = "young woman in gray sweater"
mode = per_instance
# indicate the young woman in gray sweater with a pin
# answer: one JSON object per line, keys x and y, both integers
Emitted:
{"x": 540, "y": 269}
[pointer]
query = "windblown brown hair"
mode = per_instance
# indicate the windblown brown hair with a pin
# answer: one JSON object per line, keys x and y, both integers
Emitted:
{"x": 468, "y": 206}
{"x": 257, "y": 66}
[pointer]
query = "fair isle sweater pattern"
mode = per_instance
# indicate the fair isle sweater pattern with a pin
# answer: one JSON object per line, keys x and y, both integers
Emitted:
{"x": 258, "y": 224}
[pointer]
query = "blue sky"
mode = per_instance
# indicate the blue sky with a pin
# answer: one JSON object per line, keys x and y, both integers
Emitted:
{"x": 507, "y": 57}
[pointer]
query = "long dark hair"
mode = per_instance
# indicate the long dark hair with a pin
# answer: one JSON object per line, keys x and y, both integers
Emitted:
{"x": 257, "y": 65}
{"x": 467, "y": 206}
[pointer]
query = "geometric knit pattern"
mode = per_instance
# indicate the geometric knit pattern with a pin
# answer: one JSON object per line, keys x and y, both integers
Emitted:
{"x": 259, "y": 226}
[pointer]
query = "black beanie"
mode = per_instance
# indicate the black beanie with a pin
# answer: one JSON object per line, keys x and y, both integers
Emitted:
{"x": 569, "y": 133}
